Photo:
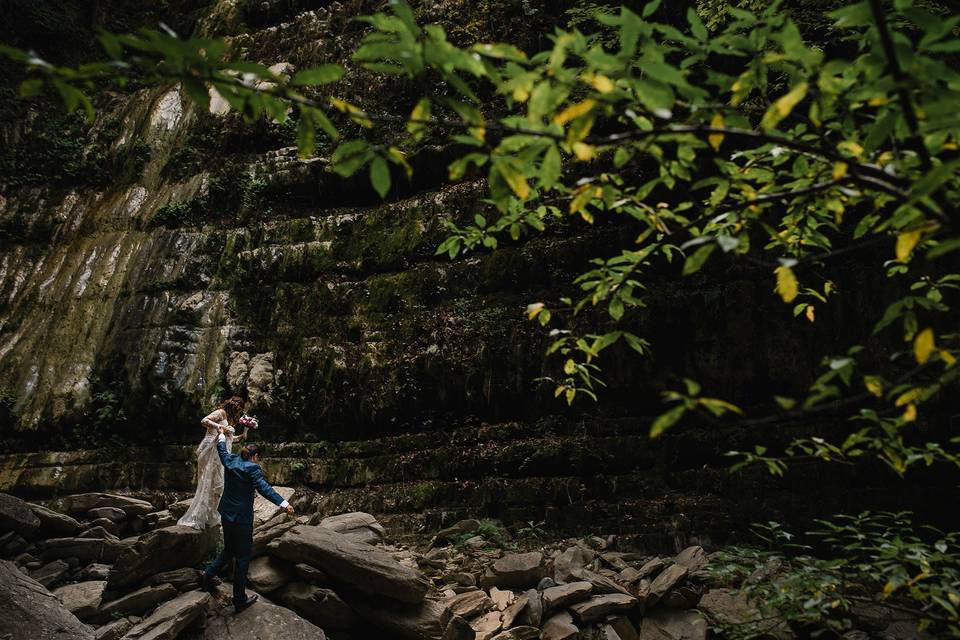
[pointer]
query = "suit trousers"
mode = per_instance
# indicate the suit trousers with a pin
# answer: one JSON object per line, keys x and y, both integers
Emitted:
{"x": 237, "y": 545}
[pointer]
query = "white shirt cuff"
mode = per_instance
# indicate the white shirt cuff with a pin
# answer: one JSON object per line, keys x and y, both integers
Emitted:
{"x": 221, "y": 438}
{"x": 284, "y": 504}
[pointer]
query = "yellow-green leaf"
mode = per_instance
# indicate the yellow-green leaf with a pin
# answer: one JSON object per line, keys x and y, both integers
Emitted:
{"x": 716, "y": 139}
{"x": 666, "y": 420}
{"x": 574, "y": 111}
{"x": 533, "y": 310}
{"x": 783, "y": 106}
{"x": 514, "y": 179}
{"x": 583, "y": 151}
{"x": 839, "y": 169}
{"x": 874, "y": 385}
{"x": 906, "y": 241}
{"x": 923, "y": 345}
{"x": 787, "y": 285}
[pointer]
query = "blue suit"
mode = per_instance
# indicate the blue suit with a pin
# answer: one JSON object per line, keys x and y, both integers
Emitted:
{"x": 240, "y": 479}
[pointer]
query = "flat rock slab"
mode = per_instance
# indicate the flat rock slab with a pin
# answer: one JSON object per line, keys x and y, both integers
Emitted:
{"x": 668, "y": 579}
{"x": 564, "y": 594}
{"x": 519, "y": 570}
{"x": 360, "y": 565}
{"x": 183, "y": 579}
{"x": 322, "y": 607}
{"x": 732, "y": 607}
{"x": 262, "y": 621}
{"x": 137, "y": 602}
{"x": 16, "y": 515}
{"x": 427, "y": 620}
{"x": 267, "y": 574}
{"x": 110, "y": 513}
{"x": 358, "y": 526}
{"x": 162, "y": 550}
{"x": 469, "y": 604}
{"x": 54, "y": 524}
{"x": 113, "y": 630}
{"x": 105, "y": 550}
{"x": 572, "y": 558}
{"x": 28, "y": 610}
{"x": 83, "y": 598}
{"x": 673, "y": 625}
{"x": 559, "y": 627}
{"x": 82, "y": 502}
{"x": 518, "y": 633}
{"x": 693, "y": 558}
{"x": 598, "y": 607}
{"x": 50, "y": 573}
{"x": 170, "y": 618}
{"x": 264, "y": 510}
{"x": 487, "y": 625}
{"x": 512, "y": 612}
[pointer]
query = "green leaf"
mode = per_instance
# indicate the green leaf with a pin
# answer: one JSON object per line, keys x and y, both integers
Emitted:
{"x": 323, "y": 74}
{"x": 666, "y": 420}
{"x": 550, "y": 167}
{"x": 695, "y": 261}
{"x": 696, "y": 25}
{"x": 783, "y": 106}
{"x": 380, "y": 176}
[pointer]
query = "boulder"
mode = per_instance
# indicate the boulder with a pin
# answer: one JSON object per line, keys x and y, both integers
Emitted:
{"x": 469, "y": 604}
{"x": 96, "y": 571}
{"x": 564, "y": 594}
{"x": 162, "y": 550}
{"x": 264, "y": 510}
{"x": 136, "y": 603}
{"x": 358, "y": 526}
{"x": 54, "y": 524}
{"x": 731, "y": 607}
{"x": 668, "y": 624}
{"x": 518, "y": 633}
{"x": 16, "y": 515}
{"x": 83, "y": 502}
{"x": 622, "y": 626}
{"x": 177, "y": 509}
{"x": 501, "y": 599}
{"x": 518, "y": 570}
{"x": 359, "y": 565}
{"x": 28, "y": 610}
{"x": 533, "y": 613}
{"x": 183, "y": 579}
{"x": 559, "y": 627}
{"x": 267, "y": 574}
{"x": 170, "y": 618}
{"x": 322, "y": 607}
{"x": 99, "y": 531}
{"x": 512, "y": 612}
{"x": 113, "y": 630}
{"x": 50, "y": 573}
{"x": 651, "y": 568}
{"x": 598, "y": 607}
{"x": 427, "y": 620}
{"x": 159, "y": 519}
{"x": 85, "y": 549}
{"x": 310, "y": 574}
{"x": 572, "y": 558}
{"x": 83, "y": 598}
{"x": 667, "y": 580}
{"x": 458, "y": 528}
{"x": 601, "y": 584}
{"x": 110, "y": 513}
{"x": 487, "y": 625}
{"x": 271, "y": 530}
{"x": 693, "y": 558}
{"x": 261, "y": 621}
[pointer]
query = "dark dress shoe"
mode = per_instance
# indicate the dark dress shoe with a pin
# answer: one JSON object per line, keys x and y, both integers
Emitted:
{"x": 238, "y": 607}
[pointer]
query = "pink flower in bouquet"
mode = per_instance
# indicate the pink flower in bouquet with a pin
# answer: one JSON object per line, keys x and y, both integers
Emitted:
{"x": 248, "y": 422}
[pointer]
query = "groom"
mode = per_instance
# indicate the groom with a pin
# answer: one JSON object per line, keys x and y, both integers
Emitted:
{"x": 241, "y": 476}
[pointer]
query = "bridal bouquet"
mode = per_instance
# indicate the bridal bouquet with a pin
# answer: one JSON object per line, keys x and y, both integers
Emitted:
{"x": 248, "y": 422}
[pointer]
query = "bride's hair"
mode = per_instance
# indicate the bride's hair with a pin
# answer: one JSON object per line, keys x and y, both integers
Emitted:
{"x": 234, "y": 409}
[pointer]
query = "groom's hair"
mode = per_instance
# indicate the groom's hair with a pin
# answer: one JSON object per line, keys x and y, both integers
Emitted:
{"x": 249, "y": 451}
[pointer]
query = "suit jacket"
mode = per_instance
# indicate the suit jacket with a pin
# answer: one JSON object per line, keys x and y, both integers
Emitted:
{"x": 240, "y": 479}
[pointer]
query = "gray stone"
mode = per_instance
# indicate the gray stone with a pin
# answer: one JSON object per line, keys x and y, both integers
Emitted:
{"x": 177, "y": 509}
{"x": 546, "y": 583}
{"x": 427, "y": 620}
{"x": 519, "y": 570}
{"x": 310, "y": 574}
{"x": 54, "y": 524}
{"x": 16, "y": 515}
{"x": 360, "y": 565}
{"x": 268, "y": 531}
{"x": 99, "y": 531}
{"x": 514, "y": 610}
{"x": 693, "y": 558}
{"x": 651, "y": 567}
{"x": 575, "y": 557}
{"x": 622, "y": 626}
{"x": 28, "y": 610}
{"x": 601, "y": 584}
{"x": 264, "y": 510}
{"x": 598, "y": 607}
{"x": 84, "y": 549}
{"x": 50, "y": 573}
{"x": 83, "y": 502}
{"x": 565, "y": 594}
{"x": 83, "y": 598}
{"x": 264, "y": 620}
{"x": 110, "y": 513}
{"x": 668, "y": 624}
{"x": 533, "y": 614}
{"x": 358, "y": 526}
{"x": 159, "y": 519}
{"x": 731, "y": 607}
{"x": 487, "y": 625}
{"x": 559, "y": 626}
{"x": 268, "y": 574}
{"x": 667, "y": 580}
{"x": 322, "y": 607}
{"x": 183, "y": 579}
{"x": 469, "y": 604}
{"x": 137, "y": 602}
{"x": 96, "y": 571}
{"x": 518, "y": 633}
{"x": 162, "y": 550}
{"x": 113, "y": 630}
{"x": 170, "y": 618}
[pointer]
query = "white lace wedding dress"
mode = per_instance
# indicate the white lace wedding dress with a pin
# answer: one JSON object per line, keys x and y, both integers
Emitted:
{"x": 202, "y": 512}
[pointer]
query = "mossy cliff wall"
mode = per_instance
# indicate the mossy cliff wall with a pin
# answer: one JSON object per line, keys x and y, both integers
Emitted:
{"x": 164, "y": 257}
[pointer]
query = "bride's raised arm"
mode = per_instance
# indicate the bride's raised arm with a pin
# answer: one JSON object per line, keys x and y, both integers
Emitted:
{"x": 214, "y": 420}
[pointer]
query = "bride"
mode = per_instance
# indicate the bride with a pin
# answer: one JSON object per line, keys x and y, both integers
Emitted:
{"x": 202, "y": 512}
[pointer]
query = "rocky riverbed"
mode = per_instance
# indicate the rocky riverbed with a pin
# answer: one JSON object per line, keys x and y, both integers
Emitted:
{"x": 110, "y": 567}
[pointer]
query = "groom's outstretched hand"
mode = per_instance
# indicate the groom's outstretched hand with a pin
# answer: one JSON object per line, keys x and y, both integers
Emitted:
{"x": 290, "y": 509}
